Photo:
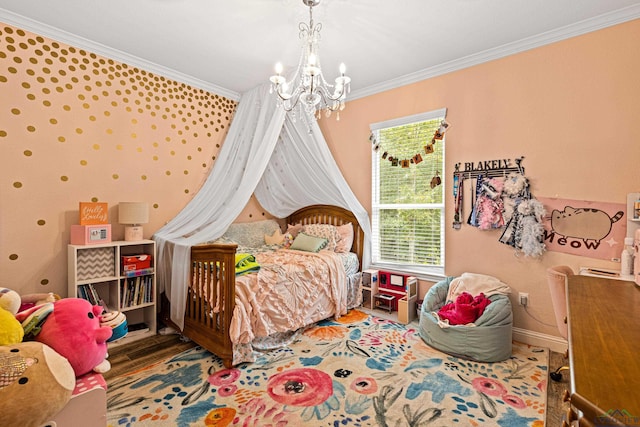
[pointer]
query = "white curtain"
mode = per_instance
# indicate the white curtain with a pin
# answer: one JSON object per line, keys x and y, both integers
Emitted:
{"x": 285, "y": 162}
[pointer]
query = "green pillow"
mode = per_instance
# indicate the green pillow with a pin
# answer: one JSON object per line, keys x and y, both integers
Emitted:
{"x": 304, "y": 242}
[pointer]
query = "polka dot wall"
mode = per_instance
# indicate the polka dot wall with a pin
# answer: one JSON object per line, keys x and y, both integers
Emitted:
{"x": 78, "y": 127}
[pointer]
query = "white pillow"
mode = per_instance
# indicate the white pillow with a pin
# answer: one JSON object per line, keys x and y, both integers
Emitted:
{"x": 326, "y": 231}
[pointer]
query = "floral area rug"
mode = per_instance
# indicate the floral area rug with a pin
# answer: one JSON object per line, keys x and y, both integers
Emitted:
{"x": 359, "y": 371}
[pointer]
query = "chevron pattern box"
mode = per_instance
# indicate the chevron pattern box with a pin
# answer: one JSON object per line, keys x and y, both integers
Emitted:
{"x": 94, "y": 263}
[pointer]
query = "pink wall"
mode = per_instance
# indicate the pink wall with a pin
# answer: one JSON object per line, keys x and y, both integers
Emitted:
{"x": 570, "y": 108}
{"x": 75, "y": 127}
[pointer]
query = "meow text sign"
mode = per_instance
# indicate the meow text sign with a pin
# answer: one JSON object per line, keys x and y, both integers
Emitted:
{"x": 584, "y": 228}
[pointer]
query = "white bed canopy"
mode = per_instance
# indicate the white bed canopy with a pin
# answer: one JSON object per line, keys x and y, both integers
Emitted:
{"x": 287, "y": 165}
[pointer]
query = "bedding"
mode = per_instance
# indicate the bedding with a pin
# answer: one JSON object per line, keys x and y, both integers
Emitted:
{"x": 233, "y": 316}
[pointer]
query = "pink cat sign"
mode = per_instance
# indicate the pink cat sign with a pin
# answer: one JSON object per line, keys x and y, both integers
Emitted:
{"x": 589, "y": 229}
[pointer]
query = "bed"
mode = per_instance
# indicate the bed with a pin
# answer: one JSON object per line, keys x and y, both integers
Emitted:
{"x": 217, "y": 316}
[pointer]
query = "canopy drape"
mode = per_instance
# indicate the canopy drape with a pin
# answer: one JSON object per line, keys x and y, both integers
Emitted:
{"x": 285, "y": 162}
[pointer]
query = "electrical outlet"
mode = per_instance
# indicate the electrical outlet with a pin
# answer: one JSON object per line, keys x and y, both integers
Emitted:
{"x": 523, "y": 298}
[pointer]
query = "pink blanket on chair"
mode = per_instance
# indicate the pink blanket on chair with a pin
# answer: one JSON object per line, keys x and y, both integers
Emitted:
{"x": 465, "y": 309}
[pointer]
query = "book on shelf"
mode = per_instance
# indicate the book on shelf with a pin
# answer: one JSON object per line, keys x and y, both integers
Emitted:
{"x": 141, "y": 272}
{"x": 135, "y": 291}
{"x": 89, "y": 293}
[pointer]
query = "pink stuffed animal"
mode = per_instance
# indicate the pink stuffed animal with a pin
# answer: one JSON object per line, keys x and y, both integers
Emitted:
{"x": 73, "y": 330}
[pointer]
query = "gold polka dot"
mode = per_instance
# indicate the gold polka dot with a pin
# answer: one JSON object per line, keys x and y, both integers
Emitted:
{"x": 186, "y": 172}
{"x": 133, "y": 135}
{"x": 83, "y": 162}
{"x": 143, "y": 177}
{"x": 15, "y": 111}
{"x": 13, "y": 257}
{"x": 139, "y": 149}
{"x": 109, "y": 131}
{"x": 53, "y": 121}
{"x": 119, "y": 147}
{"x": 79, "y": 131}
{"x": 92, "y": 118}
{"x": 66, "y": 108}
{"x": 44, "y": 282}
{"x": 61, "y": 139}
{"x": 155, "y": 206}
{"x": 17, "y": 184}
{"x": 31, "y": 128}
{"x": 94, "y": 199}
{"x": 27, "y": 153}
{"x": 168, "y": 173}
{"x": 64, "y": 178}
{"x": 3, "y": 133}
{"x": 41, "y": 222}
{"x": 186, "y": 191}
{"x": 115, "y": 176}
{"x": 96, "y": 146}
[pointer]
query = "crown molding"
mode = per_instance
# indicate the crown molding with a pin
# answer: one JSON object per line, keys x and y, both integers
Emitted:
{"x": 573, "y": 30}
{"x": 108, "y": 52}
{"x": 586, "y": 26}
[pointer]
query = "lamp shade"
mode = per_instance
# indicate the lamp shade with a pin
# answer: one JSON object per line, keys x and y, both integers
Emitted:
{"x": 133, "y": 213}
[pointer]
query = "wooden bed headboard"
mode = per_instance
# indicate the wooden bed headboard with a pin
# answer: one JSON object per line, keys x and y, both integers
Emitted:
{"x": 334, "y": 215}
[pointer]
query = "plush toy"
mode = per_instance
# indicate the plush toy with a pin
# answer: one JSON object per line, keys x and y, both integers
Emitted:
{"x": 35, "y": 384}
{"x": 73, "y": 330}
{"x": 10, "y": 300}
{"x": 31, "y": 300}
{"x": 11, "y": 331}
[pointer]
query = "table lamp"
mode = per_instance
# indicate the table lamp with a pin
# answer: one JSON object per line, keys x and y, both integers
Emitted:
{"x": 132, "y": 214}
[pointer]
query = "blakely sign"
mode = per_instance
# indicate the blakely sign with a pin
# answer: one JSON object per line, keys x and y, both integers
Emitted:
{"x": 94, "y": 213}
{"x": 488, "y": 165}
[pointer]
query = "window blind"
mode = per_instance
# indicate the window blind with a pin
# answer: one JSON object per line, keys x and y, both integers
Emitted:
{"x": 407, "y": 210}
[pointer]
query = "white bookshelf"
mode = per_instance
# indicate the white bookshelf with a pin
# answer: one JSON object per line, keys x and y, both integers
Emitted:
{"x": 100, "y": 266}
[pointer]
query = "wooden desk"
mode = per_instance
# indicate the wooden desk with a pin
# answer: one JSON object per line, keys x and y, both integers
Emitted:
{"x": 604, "y": 350}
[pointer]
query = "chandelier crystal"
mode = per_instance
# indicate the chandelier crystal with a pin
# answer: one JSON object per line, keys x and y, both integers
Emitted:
{"x": 308, "y": 89}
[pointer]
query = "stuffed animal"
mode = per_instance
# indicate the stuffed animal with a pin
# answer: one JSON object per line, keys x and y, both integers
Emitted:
{"x": 11, "y": 331}
{"x": 73, "y": 330}
{"x": 35, "y": 384}
{"x": 10, "y": 300}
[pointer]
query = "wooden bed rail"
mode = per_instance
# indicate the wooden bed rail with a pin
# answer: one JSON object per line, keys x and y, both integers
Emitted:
{"x": 211, "y": 298}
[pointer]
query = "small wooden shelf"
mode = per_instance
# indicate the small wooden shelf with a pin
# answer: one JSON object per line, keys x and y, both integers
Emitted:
{"x": 99, "y": 265}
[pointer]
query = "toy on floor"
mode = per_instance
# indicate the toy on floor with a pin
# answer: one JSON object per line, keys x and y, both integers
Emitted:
{"x": 35, "y": 384}
{"x": 73, "y": 329}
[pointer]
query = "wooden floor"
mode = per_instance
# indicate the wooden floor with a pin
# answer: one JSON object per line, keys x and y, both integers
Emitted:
{"x": 133, "y": 356}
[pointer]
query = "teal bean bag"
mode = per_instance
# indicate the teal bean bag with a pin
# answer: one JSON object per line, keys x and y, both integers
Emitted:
{"x": 488, "y": 341}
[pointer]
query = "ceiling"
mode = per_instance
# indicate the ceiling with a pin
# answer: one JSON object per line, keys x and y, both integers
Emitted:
{"x": 231, "y": 46}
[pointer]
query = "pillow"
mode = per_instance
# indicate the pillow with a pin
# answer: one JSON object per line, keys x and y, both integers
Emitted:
{"x": 251, "y": 234}
{"x": 294, "y": 229}
{"x": 326, "y": 231}
{"x": 304, "y": 242}
{"x": 277, "y": 238}
{"x": 346, "y": 237}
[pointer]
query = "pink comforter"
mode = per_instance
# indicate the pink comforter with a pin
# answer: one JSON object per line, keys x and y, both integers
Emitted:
{"x": 292, "y": 289}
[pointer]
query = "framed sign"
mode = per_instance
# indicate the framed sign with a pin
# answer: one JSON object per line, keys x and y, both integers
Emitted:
{"x": 93, "y": 213}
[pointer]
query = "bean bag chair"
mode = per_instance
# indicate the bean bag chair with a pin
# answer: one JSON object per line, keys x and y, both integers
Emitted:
{"x": 488, "y": 339}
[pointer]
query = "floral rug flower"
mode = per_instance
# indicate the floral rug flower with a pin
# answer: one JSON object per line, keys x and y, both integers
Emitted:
{"x": 359, "y": 371}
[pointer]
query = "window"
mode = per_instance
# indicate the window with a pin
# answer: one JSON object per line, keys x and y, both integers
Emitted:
{"x": 407, "y": 209}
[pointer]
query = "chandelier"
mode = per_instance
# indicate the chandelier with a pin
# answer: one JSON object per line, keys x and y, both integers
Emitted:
{"x": 308, "y": 88}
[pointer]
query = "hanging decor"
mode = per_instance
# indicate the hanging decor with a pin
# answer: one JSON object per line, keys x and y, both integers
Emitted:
{"x": 501, "y": 199}
{"x": 417, "y": 157}
{"x": 308, "y": 89}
